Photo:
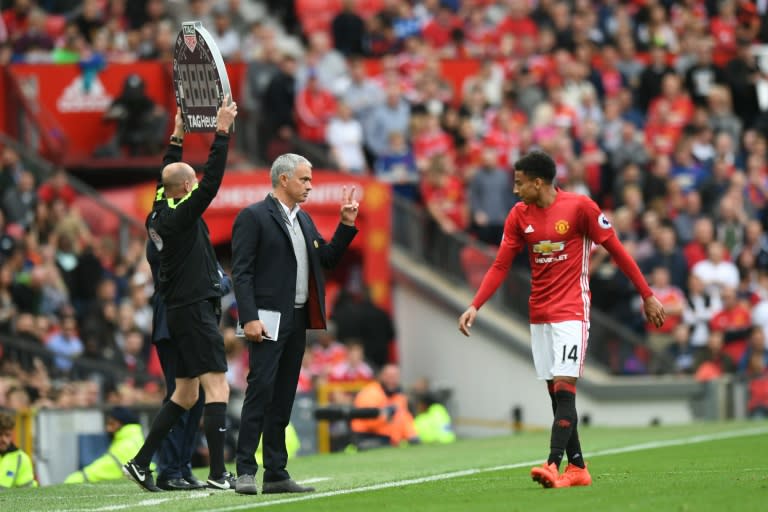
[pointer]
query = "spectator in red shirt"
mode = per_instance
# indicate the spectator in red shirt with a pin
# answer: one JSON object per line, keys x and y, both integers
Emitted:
{"x": 438, "y": 31}
{"x": 660, "y": 339}
{"x": 517, "y": 21}
{"x": 354, "y": 367}
{"x": 757, "y": 391}
{"x": 592, "y": 157}
{"x": 327, "y": 352}
{"x": 478, "y": 32}
{"x": 735, "y": 321}
{"x": 444, "y": 196}
{"x": 430, "y": 141}
{"x": 504, "y": 137}
{"x": 723, "y": 29}
{"x": 696, "y": 250}
{"x": 17, "y": 18}
{"x": 673, "y": 108}
{"x": 57, "y": 187}
{"x": 314, "y": 109}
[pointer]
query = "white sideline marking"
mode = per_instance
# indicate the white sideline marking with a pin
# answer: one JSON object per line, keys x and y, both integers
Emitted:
{"x": 150, "y": 502}
{"x": 314, "y": 480}
{"x": 436, "y": 478}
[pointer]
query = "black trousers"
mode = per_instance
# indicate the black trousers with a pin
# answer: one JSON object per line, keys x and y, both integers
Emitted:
{"x": 272, "y": 379}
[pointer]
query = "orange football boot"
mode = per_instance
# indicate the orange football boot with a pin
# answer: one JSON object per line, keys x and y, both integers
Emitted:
{"x": 574, "y": 476}
{"x": 546, "y": 474}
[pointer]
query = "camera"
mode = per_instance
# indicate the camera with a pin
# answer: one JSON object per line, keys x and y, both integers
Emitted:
{"x": 346, "y": 413}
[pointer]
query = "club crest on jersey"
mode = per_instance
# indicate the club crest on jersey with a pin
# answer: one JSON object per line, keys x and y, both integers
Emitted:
{"x": 561, "y": 227}
{"x": 546, "y": 247}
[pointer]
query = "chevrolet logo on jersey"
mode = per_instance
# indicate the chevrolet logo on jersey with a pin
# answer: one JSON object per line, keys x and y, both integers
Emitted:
{"x": 548, "y": 247}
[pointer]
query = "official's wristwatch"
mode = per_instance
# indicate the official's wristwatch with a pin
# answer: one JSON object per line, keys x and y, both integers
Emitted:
{"x": 177, "y": 140}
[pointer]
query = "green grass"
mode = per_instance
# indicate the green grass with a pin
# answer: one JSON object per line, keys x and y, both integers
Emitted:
{"x": 701, "y": 467}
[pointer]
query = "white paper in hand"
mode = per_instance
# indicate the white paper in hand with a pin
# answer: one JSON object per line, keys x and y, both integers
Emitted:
{"x": 271, "y": 321}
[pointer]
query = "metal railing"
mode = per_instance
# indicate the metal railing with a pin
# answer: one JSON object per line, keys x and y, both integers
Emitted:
{"x": 463, "y": 260}
{"x": 29, "y": 121}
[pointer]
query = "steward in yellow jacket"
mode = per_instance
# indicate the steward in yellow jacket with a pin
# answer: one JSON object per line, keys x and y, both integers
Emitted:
{"x": 15, "y": 465}
{"x": 433, "y": 423}
{"x": 127, "y": 437}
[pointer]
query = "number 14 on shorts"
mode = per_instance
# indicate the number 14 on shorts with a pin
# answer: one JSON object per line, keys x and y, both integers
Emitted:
{"x": 571, "y": 353}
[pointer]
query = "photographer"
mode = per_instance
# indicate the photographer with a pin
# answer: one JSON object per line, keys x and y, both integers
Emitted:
{"x": 140, "y": 122}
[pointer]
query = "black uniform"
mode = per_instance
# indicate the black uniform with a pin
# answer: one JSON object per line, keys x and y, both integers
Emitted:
{"x": 188, "y": 278}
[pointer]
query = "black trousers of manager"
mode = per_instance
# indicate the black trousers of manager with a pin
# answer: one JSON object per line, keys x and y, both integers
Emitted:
{"x": 272, "y": 379}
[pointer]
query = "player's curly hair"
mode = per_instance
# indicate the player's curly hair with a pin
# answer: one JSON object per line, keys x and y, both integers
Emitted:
{"x": 7, "y": 421}
{"x": 537, "y": 164}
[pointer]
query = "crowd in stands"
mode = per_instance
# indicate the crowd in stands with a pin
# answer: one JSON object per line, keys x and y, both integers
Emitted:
{"x": 654, "y": 108}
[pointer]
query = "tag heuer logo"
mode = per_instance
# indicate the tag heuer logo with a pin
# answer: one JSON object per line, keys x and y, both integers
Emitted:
{"x": 548, "y": 247}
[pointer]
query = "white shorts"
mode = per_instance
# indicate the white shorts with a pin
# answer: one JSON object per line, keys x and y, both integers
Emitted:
{"x": 559, "y": 348}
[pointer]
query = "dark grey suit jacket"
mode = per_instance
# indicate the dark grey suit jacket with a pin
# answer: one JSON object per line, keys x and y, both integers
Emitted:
{"x": 264, "y": 263}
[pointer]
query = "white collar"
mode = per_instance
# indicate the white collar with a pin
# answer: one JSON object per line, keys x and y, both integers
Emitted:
{"x": 290, "y": 213}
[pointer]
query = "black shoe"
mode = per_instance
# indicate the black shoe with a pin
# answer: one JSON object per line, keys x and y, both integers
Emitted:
{"x": 223, "y": 483}
{"x": 284, "y": 486}
{"x": 195, "y": 482}
{"x": 141, "y": 475}
{"x": 175, "y": 484}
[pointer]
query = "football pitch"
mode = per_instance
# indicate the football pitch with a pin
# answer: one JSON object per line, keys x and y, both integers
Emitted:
{"x": 701, "y": 467}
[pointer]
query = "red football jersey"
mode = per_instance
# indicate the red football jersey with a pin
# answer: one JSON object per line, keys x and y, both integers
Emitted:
{"x": 559, "y": 240}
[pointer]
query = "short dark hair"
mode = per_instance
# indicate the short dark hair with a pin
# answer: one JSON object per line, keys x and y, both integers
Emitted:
{"x": 7, "y": 420}
{"x": 537, "y": 164}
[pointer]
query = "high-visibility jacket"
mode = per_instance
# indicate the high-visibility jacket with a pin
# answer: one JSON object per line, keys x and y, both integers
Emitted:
{"x": 127, "y": 441}
{"x": 292, "y": 444}
{"x": 398, "y": 428}
{"x": 434, "y": 425}
{"x": 16, "y": 469}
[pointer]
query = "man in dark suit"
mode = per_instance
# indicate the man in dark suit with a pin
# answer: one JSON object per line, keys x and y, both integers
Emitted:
{"x": 278, "y": 259}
